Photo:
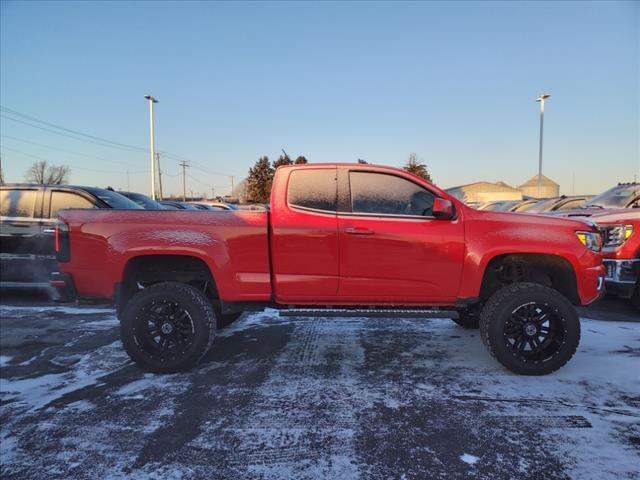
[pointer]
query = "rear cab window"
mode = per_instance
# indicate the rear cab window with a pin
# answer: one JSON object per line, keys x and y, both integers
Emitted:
{"x": 313, "y": 189}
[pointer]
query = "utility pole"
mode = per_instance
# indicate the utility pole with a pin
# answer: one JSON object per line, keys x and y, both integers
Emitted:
{"x": 541, "y": 99}
{"x": 232, "y": 184}
{"x": 213, "y": 194}
{"x": 184, "y": 164}
{"x": 128, "y": 188}
{"x": 151, "y": 145}
{"x": 159, "y": 175}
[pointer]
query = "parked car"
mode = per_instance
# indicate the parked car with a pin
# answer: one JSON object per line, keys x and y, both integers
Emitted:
{"x": 498, "y": 206}
{"x": 371, "y": 240}
{"x": 620, "y": 249}
{"x": 210, "y": 206}
{"x": 524, "y": 204}
{"x": 27, "y": 217}
{"x": 145, "y": 202}
{"x": 555, "y": 204}
{"x": 173, "y": 205}
{"x": 623, "y": 195}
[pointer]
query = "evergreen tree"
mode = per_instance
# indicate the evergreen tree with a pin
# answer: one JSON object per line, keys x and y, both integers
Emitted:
{"x": 282, "y": 160}
{"x": 301, "y": 160}
{"x": 418, "y": 168}
{"x": 259, "y": 181}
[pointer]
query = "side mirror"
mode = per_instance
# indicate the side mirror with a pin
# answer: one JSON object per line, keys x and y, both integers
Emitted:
{"x": 442, "y": 209}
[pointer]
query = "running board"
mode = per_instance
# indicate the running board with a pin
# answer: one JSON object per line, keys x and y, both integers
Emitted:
{"x": 368, "y": 312}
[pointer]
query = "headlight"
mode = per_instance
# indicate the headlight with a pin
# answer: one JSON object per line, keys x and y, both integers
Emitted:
{"x": 616, "y": 235}
{"x": 591, "y": 240}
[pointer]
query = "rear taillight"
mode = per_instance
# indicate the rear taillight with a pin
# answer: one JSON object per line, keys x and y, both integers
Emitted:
{"x": 63, "y": 248}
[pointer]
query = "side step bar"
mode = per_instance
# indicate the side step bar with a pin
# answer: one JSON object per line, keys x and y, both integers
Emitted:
{"x": 368, "y": 312}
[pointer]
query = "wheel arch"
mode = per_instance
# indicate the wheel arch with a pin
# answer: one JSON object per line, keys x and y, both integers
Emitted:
{"x": 144, "y": 270}
{"x": 546, "y": 269}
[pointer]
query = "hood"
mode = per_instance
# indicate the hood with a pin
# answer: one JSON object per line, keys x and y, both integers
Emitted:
{"x": 531, "y": 219}
{"x": 606, "y": 215}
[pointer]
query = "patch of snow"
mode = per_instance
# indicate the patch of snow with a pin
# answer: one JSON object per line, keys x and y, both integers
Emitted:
{"x": 37, "y": 392}
{"x": 470, "y": 459}
{"x": 4, "y": 360}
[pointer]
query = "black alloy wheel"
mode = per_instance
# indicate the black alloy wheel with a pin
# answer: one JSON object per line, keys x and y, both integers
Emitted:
{"x": 535, "y": 332}
{"x": 164, "y": 329}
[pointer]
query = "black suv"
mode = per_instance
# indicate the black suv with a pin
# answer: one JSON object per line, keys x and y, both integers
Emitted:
{"x": 27, "y": 220}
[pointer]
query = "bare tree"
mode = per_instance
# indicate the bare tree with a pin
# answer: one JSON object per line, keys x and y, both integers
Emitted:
{"x": 44, "y": 174}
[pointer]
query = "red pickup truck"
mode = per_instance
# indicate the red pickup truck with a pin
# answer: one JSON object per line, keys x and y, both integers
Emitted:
{"x": 620, "y": 229}
{"x": 338, "y": 239}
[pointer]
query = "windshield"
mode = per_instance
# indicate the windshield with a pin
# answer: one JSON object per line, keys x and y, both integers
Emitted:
{"x": 143, "y": 201}
{"x": 541, "y": 206}
{"x": 617, "y": 197}
{"x": 113, "y": 199}
{"x": 501, "y": 206}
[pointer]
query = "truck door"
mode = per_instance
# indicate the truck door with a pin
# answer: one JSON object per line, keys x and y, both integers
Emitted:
{"x": 304, "y": 234}
{"x": 20, "y": 232}
{"x": 392, "y": 250}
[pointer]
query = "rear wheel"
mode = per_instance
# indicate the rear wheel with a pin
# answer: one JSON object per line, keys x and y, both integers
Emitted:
{"x": 167, "y": 327}
{"x": 530, "y": 329}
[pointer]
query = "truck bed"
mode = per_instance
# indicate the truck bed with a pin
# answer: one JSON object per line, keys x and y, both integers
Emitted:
{"x": 234, "y": 245}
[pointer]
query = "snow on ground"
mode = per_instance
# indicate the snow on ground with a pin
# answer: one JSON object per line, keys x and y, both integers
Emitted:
{"x": 280, "y": 398}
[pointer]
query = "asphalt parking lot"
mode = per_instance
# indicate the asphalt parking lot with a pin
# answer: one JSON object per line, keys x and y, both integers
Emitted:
{"x": 304, "y": 398}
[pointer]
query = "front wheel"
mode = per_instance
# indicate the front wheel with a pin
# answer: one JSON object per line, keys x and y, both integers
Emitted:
{"x": 167, "y": 327}
{"x": 530, "y": 329}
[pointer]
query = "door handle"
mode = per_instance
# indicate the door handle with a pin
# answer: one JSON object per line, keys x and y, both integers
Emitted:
{"x": 49, "y": 230}
{"x": 358, "y": 231}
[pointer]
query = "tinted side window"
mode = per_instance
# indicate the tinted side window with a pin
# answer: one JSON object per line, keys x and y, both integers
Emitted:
{"x": 60, "y": 200}
{"x": 315, "y": 189}
{"x": 388, "y": 195}
{"x": 17, "y": 203}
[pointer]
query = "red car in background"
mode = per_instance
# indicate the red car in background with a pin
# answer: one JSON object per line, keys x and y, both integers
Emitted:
{"x": 620, "y": 249}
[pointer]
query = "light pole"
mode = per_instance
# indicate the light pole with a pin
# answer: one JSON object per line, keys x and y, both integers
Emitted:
{"x": 541, "y": 99}
{"x": 151, "y": 145}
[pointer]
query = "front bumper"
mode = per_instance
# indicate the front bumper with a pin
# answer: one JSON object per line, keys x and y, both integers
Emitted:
{"x": 621, "y": 276}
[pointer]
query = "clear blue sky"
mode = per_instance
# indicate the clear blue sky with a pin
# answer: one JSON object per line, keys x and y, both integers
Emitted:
{"x": 454, "y": 82}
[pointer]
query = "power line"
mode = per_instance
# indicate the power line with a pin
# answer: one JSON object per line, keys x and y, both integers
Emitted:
{"x": 64, "y": 134}
{"x": 75, "y": 132}
{"x": 104, "y": 142}
{"x": 64, "y": 150}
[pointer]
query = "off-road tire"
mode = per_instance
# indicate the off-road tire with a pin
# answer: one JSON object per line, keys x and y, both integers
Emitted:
{"x": 226, "y": 319}
{"x": 500, "y": 308}
{"x": 200, "y": 316}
